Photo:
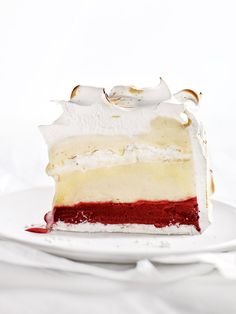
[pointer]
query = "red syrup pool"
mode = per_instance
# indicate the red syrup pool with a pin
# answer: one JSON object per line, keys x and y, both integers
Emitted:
{"x": 38, "y": 230}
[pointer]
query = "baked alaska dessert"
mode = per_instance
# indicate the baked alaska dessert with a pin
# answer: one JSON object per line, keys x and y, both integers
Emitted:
{"x": 133, "y": 160}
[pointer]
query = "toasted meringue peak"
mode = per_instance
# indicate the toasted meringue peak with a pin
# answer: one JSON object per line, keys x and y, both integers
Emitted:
{"x": 74, "y": 91}
{"x": 88, "y": 95}
{"x": 130, "y": 97}
{"x": 135, "y": 91}
{"x": 212, "y": 182}
{"x": 124, "y": 97}
{"x": 105, "y": 94}
{"x": 187, "y": 94}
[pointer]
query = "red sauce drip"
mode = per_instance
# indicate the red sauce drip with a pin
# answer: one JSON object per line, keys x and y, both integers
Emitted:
{"x": 38, "y": 230}
{"x": 158, "y": 213}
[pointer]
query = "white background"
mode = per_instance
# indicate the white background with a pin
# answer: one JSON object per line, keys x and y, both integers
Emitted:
{"x": 48, "y": 47}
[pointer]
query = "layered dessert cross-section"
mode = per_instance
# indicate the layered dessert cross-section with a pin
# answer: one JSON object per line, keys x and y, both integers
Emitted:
{"x": 131, "y": 161}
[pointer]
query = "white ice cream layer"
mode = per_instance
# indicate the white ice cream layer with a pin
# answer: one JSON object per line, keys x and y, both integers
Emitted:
{"x": 128, "y": 228}
{"x": 131, "y": 154}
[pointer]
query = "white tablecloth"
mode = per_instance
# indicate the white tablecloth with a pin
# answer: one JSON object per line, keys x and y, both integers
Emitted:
{"x": 32, "y": 282}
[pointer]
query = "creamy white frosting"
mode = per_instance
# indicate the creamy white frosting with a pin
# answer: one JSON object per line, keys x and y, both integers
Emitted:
{"x": 201, "y": 166}
{"x": 105, "y": 119}
{"x": 90, "y": 112}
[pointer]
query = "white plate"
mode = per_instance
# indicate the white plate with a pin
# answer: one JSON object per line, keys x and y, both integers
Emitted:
{"x": 25, "y": 208}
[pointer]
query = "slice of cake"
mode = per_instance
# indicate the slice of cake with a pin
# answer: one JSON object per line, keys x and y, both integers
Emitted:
{"x": 131, "y": 161}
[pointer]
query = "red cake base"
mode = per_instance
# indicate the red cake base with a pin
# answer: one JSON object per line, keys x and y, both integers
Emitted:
{"x": 157, "y": 213}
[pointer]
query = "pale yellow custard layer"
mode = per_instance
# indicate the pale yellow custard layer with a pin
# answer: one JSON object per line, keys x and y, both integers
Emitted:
{"x": 159, "y": 180}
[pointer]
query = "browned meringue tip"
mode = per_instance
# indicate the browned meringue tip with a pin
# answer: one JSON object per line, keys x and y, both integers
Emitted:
{"x": 212, "y": 182}
{"x": 212, "y": 185}
{"x": 135, "y": 91}
{"x": 188, "y": 94}
{"x": 193, "y": 93}
{"x": 106, "y": 95}
{"x": 74, "y": 91}
{"x": 187, "y": 123}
